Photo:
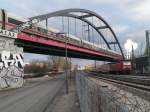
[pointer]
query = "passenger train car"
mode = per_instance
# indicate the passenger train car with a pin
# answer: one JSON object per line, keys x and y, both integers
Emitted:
{"x": 9, "y": 21}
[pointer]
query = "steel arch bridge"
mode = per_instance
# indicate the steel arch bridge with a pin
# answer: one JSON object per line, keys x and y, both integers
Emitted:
{"x": 80, "y": 14}
{"x": 74, "y": 13}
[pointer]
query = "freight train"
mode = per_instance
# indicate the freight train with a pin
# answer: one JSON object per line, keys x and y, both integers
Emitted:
{"x": 122, "y": 67}
{"x": 9, "y": 21}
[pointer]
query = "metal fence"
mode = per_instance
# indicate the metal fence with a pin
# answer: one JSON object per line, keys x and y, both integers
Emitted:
{"x": 96, "y": 98}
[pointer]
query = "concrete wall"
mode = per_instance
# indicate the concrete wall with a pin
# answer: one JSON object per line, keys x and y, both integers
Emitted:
{"x": 96, "y": 98}
{"x": 11, "y": 64}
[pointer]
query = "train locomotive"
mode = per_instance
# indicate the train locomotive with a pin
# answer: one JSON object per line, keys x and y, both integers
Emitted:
{"x": 122, "y": 67}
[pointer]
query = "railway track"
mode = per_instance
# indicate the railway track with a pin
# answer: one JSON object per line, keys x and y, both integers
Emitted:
{"x": 143, "y": 84}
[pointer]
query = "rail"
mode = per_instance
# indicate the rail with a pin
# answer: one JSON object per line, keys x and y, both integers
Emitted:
{"x": 139, "y": 84}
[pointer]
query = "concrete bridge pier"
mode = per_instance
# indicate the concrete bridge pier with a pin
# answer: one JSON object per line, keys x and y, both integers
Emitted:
{"x": 11, "y": 64}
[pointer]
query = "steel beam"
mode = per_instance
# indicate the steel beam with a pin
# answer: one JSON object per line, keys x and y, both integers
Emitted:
{"x": 102, "y": 27}
{"x": 86, "y": 16}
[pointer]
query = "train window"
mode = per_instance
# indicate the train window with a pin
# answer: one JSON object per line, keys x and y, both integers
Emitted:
{"x": 14, "y": 21}
{"x": 38, "y": 29}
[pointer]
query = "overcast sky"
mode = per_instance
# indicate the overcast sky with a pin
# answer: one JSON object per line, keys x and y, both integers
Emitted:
{"x": 129, "y": 18}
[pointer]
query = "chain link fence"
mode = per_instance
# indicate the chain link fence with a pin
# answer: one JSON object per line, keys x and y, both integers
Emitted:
{"x": 96, "y": 97}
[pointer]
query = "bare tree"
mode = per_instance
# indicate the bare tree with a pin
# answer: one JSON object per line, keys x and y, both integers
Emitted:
{"x": 58, "y": 63}
{"x": 36, "y": 66}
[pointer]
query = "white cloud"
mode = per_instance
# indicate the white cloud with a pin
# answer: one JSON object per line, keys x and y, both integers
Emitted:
{"x": 133, "y": 9}
{"x": 137, "y": 35}
{"x": 140, "y": 10}
{"x": 112, "y": 1}
{"x": 137, "y": 9}
{"x": 129, "y": 44}
{"x": 120, "y": 29}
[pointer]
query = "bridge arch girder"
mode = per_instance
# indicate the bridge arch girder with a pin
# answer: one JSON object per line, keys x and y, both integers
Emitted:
{"x": 87, "y": 14}
{"x": 89, "y": 23}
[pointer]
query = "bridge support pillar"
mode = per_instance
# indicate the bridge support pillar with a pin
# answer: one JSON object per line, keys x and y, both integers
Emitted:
{"x": 11, "y": 64}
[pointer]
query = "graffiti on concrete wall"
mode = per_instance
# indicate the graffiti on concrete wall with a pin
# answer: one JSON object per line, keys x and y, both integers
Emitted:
{"x": 11, "y": 64}
{"x": 8, "y": 59}
{"x": 11, "y": 77}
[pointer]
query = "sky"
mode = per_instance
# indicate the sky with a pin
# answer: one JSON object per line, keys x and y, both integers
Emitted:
{"x": 128, "y": 18}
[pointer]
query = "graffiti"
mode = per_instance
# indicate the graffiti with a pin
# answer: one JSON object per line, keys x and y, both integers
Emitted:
{"x": 9, "y": 59}
{"x": 11, "y": 64}
{"x": 11, "y": 77}
{"x": 8, "y": 33}
{"x": 2, "y": 43}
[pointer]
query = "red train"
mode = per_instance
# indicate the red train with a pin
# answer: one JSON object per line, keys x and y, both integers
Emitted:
{"x": 123, "y": 67}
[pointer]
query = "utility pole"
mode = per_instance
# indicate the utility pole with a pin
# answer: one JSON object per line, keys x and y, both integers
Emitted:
{"x": 95, "y": 64}
{"x": 132, "y": 60}
{"x": 66, "y": 65}
{"x": 66, "y": 62}
{"x": 70, "y": 68}
{"x": 147, "y": 43}
{"x": 148, "y": 48}
{"x": 47, "y": 24}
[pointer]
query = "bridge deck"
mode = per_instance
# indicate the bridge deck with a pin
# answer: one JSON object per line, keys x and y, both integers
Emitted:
{"x": 42, "y": 46}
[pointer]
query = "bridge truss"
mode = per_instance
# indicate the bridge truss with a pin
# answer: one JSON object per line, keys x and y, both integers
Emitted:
{"x": 84, "y": 15}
